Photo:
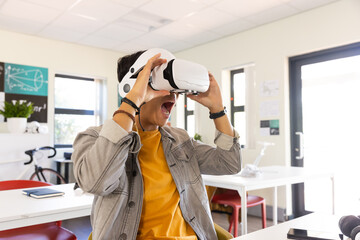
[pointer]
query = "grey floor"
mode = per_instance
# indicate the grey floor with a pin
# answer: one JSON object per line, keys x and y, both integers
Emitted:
{"x": 81, "y": 226}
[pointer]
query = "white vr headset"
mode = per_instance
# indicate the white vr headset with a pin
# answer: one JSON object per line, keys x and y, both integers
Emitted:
{"x": 176, "y": 75}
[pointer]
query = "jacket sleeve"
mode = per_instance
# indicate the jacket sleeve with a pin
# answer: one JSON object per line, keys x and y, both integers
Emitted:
{"x": 223, "y": 159}
{"x": 99, "y": 156}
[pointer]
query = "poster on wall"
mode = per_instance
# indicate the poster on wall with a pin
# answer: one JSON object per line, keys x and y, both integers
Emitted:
{"x": 269, "y": 127}
{"x": 39, "y": 104}
{"x": 22, "y": 82}
{"x": 2, "y": 94}
{"x": 2, "y": 73}
{"x": 27, "y": 80}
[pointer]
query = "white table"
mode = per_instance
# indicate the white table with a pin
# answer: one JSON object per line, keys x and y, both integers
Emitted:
{"x": 18, "y": 210}
{"x": 272, "y": 177}
{"x": 316, "y": 222}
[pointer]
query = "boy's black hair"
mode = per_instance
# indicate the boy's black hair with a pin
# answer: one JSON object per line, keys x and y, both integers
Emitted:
{"x": 124, "y": 64}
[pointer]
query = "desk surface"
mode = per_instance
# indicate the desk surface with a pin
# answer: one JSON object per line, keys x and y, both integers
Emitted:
{"x": 315, "y": 221}
{"x": 19, "y": 210}
{"x": 271, "y": 176}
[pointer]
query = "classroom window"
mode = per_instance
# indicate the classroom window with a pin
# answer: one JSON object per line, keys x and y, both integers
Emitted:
{"x": 189, "y": 116}
{"x": 78, "y": 105}
{"x": 238, "y": 103}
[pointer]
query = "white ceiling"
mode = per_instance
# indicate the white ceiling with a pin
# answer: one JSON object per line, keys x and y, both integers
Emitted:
{"x": 130, "y": 25}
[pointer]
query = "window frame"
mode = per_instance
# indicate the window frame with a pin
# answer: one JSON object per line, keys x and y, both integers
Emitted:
{"x": 234, "y": 109}
{"x": 187, "y": 112}
{"x": 71, "y": 111}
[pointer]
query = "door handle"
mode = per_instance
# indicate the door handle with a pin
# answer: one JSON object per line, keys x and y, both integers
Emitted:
{"x": 301, "y": 146}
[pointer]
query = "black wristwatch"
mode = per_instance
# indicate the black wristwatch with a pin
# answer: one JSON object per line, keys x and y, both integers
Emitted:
{"x": 218, "y": 114}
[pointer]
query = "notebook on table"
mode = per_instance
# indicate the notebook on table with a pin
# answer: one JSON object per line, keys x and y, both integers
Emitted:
{"x": 42, "y": 192}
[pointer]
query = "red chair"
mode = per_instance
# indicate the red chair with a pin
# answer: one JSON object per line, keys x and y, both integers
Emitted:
{"x": 45, "y": 231}
{"x": 231, "y": 198}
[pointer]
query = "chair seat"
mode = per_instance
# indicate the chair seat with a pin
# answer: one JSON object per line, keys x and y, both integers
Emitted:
{"x": 233, "y": 199}
{"x": 46, "y": 231}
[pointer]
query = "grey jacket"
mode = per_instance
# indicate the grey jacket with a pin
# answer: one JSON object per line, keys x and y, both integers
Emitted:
{"x": 106, "y": 165}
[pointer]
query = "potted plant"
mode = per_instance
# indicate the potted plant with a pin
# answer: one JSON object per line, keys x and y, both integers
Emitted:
{"x": 16, "y": 113}
{"x": 198, "y": 137}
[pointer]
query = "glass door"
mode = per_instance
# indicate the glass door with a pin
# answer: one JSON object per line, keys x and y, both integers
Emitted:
{"x": 325, "y": 126}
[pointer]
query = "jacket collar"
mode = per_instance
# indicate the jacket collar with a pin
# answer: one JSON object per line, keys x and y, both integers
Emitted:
{"x": 165, "y": 133}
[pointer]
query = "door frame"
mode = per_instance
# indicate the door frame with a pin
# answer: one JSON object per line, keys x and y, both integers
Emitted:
{"x": 295, "y": 98}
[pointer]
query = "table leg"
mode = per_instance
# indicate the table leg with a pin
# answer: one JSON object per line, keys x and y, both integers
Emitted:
{"x": 275, "y": 216}
{"x": 333, "y": 194}
{"x": 242, "y": 193}
{"x": 58, "y": 169}
{"x": 67, "y": 172}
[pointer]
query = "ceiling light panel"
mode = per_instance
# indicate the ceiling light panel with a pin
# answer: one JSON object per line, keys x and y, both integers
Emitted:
{"x": 172, "y": 9}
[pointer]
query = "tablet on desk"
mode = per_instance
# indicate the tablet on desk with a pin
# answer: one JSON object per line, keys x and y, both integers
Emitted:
{"x": 312, "y": 235}
{"x": 42, "y": 193}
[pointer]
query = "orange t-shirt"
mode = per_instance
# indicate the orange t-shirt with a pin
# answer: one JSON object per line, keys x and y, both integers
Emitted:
{"x": 161, "y": 217}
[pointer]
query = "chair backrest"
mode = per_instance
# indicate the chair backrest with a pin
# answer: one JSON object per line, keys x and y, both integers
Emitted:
{"x": 18, "y": 184}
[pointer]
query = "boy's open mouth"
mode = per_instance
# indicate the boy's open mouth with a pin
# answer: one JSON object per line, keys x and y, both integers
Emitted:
{"x": 166, "y": 107}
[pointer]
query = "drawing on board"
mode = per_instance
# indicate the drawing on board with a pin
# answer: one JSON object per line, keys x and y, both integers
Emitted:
{"x": 1, "y": 77}
{"x": 39, "y": 103}
{"x": 22, "y": 79}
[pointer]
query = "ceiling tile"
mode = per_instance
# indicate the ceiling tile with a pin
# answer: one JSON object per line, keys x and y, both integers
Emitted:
{"x": 119, "y": 32}
{"x": 28, "y": 11}
{"x": 79, "y": 23}
{"x": 244, "y": 8}
{"x": 152, "y": 40}
{"x": 178, "y": 30}
{"x": 101, "y": 10}
{"x": 177, "y": 46}
{"x": 272, "y": 14}
{"x": 130, "y": 47}
{"x": 209, "y": 18}
{"x": 56, "y": 4}
{"x": 233, "y": 27}
{"x": 203, "y": 37}
{"x": 172, "y": 9}
{"x": 132, "y": 3}
{"x": 62, "y": 34}
{"x": 305, "y": 5}
{"x": 209, "y": 2}
{"x": 20, "y": 25}
{"x": 100, "y": 42}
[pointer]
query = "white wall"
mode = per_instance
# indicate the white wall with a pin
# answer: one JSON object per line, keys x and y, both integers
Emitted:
{"x": 61, "y": 57}
{"x": 269, "y": 47}
{"x": 58, "y": 57}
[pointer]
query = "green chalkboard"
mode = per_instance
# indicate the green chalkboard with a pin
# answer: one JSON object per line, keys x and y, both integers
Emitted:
{"x": 23, "y": 79}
